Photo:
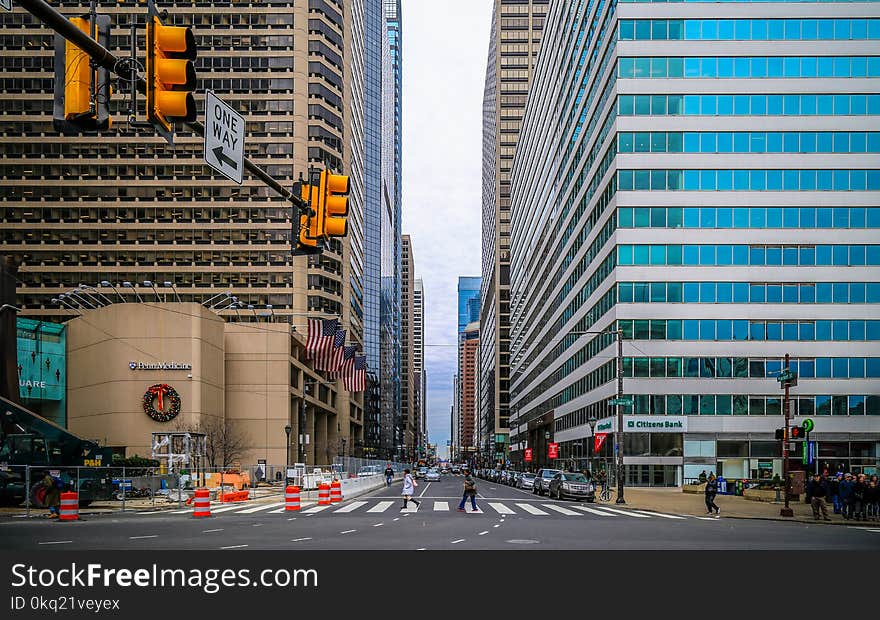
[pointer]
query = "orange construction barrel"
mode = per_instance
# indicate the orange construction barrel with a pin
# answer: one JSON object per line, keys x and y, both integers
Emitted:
{"x": 291, "y": 498}
{"x": 323, "y": 494}
{"x": 69, "y": 506}
{"x": 335, "y": 492}
{"x": 202, "y": 503}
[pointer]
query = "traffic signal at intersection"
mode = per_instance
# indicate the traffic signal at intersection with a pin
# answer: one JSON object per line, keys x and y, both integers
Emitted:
{"x": 171, "y": 75}
{"x": 336, "y": 188}
{"x": 327, "y": 210}
{"x": 82, "y": 95}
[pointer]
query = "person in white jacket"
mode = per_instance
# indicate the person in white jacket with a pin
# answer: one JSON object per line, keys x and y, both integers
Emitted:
{"x": 409, "y": 486}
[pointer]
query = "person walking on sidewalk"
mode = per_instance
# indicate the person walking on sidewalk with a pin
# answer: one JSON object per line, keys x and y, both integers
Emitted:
{"x": 711, "y": 492}
{"x": 470, "y": 490}
{"x": 818, "y": 491}
{"x": 389, "y": 475}
{"x": 409, "y": 489}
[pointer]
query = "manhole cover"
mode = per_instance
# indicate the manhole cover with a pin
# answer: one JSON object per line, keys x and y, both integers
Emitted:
{"x": 522, "y": 541}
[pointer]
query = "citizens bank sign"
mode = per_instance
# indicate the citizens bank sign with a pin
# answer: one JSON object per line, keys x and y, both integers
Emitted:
{"x": 645, "y": 424}
{"x": 159, "y": 366}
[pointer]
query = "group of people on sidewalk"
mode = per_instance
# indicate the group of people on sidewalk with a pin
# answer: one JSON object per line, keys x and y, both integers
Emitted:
{"x": 855, "y": 496}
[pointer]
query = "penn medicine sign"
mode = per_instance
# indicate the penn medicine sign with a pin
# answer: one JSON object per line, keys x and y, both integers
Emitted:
{"x": 159, "y": 366}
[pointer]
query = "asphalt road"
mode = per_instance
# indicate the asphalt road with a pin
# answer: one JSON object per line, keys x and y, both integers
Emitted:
{"x": 508, "y": 519}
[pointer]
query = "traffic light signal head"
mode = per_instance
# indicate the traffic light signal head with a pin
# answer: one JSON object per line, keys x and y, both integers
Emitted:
{"x": 307, "y": 235}
{"x": 75, "y": 110}
{"x": 171, "y": 75}
{"x": 798, "y": 432}
{"x": 336, "y": 188}
{"x": 780, "y": 434}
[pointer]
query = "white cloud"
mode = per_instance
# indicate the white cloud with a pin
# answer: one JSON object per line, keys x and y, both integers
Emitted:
{"x": 445, "y": 46}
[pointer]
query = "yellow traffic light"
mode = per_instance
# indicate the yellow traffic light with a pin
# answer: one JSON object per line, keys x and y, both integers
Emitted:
{"x": 309, "y": 223}
{"x": 336, "y": 188}
{"x": 77, "y": 76}
{"x": 171, "y": 75}
{"x": 82, "y": 93}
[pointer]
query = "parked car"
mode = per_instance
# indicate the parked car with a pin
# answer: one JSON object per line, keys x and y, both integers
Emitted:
{"x": 421, "y": 472}
{"x": 433, "y": 475}
{"x": 511, "y": 478}
{"x": 542, "y": 480}
{"x": 574, "y": 485}
{"x": 526, "y": 480}
{"x": 456, "y": 469}
{"x": 445, "y": 469}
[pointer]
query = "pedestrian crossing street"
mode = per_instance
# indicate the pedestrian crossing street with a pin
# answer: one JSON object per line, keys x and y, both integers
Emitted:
{"x": 505, "y": 508}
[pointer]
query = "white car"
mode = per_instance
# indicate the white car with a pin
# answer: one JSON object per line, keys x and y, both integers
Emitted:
{"x": 433, "y": 475}
{"x": 368, "y": 470}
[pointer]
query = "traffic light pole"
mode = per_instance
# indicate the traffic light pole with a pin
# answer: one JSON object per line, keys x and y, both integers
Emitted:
{"x": 102, "y": 57}
{"x": 786, "y": 511}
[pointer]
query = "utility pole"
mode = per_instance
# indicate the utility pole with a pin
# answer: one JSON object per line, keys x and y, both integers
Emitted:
{"x": 619, "y": 439}
{"x": 786, "y": 485}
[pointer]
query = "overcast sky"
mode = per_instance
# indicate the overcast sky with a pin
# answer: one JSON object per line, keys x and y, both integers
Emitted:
{"x": 445, "y": 46}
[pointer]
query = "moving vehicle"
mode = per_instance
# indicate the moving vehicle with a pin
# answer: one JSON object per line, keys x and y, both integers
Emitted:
{"x": 368, "y": 470}
{"x": 456, "y": 468}
{"x": 542, "y": 480}
{"x": 433, "y": 475}
{"x": 421, "y": 472}
{"x": 526, "y": 480}
{"x": 574, "y": 485}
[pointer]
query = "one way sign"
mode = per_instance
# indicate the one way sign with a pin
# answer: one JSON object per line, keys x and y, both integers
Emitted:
{"x": 224, "y": 138}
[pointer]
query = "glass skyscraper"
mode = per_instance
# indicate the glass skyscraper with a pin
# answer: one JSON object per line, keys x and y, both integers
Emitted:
{"x": 712, "y": 192}
{"x": 468, "y": 301}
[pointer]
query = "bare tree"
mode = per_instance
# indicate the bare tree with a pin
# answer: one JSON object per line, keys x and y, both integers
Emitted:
{"x": 224, "y": 441}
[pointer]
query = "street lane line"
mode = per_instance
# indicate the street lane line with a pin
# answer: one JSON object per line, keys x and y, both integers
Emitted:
{"x": 56, "y": 542}
{"x": 378, "y": 524}
{"x": 348, "y": 531}
{"x": 181, "y": 512}
{"x": 299, "y": 539}
{"x": 314, "y": 510}
{"x": 250, "y": 511}
{"x": 441, "y": 506}
{"x": 234, "y": 547}
{"x": 139, "y": 537}
{"x": 657, "y": 514}
{"x": 501, "y": 509}
{"x": 455, "y": 542}
{"x": 425, "y": 490}
{"x": 595, "y": 511}
{"x": 350, "y": 507}
{"x": 531, "y": 509}
{"x": 560, "y": 509}
{"x": 226, "y": 508}
{"x": 483, "y": 533}
{"x": 380, "y": 507}
{"x": 217, "y": 530}
{"x": 625, "y": 513}
{"x": 497, "y": 525}
{"x": 149, "y": 512}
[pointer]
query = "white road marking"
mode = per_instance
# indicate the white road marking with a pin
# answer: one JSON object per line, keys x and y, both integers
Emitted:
{"x": 348, "y": 531}
{"x": 658, "y": 514}
{"x": 234, "y": 547}
{"x": 396, "y": 519}
{"x": 455, "y": 542}
{"x": 501, "y": 509}
{"x": 441, "y": 506}
{"x": 420, "y": 549}
{"x": 425, "y": 490}
{"x": 315, "y": 510}
{"x": 409, "y": 509}
{"x": 56, "y": 542}
{"x": 150, "y": 512}
{"x": 180, "y": 512}
{"x": 497, "y": 525}
{"x": 560, "y": 509}
{"x": 226, "y": 508}
{"x": 380, "y": 507}
{"x": 594, "y": 511}
{"x": 483, "y": 533}
{"x": 281, "y": 510}
{"x": 532, "y": 509}
{"x": 299, "y": 539}
{"x": 139, "y": 537}
{"x": 207, "y": 531}
{"x": 625, "y": 513}
{"x": 378, "y": 524}
{"x": 705, "y": 518}
{"x": 472, "y": 511}
{"x": 350, "y": 507}
{"x": 250, "y": 511}
{"x": 257, "y": 525}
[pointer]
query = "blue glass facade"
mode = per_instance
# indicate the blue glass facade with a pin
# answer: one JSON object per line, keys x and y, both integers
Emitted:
{"x": 42, "y": 368}
{"x": 468, "y": 301}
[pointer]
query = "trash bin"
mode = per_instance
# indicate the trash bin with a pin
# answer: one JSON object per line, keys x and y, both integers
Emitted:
{"x": 722, "y": 486}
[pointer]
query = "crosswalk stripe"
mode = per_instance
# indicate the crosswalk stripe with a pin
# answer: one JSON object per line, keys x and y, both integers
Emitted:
{"x": 501, "y": 509}
{"x": 181, "y": 512}
{"x": 625, "y": 513}
{"x": 226, "y": 508}
{"x": 314, "y": 510}
{"x": 594, "y": 511}
{"x": 532, "y": 509}
{"x": 562, "y": 510}
{"x": 380, "y": 507}
{"x": 441, "y": 506}
{"x": 250, "y": 511}
{"x": 410, "y": 508}
{"x": 658, "y": 514}
{"x": 477, "y": 511}
{"x": 350, "y": 507}
{"x": 284, "y": 509}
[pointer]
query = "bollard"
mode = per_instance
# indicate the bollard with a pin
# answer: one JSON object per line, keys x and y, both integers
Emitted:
{"x": 69, "y": 506}
{"x": 291, "y": 498}
{"x": 324, "y": 494}
{"x": 335, "y": 492}
{"x": 202, "y": 503}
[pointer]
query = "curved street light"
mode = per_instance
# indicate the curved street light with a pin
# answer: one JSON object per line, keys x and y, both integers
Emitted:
{"x": 131, "y": 286}
{"x": 106, "y": 283}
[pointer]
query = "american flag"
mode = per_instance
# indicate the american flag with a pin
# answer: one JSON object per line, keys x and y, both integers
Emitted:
{"x": 321, "y": 335}
{"x": 332, "y": 359}
{"x": 347, "y": 364}
{"x": 356, "y": 380}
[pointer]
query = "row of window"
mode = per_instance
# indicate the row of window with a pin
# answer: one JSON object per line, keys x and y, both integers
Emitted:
{"x": 748, "y": 142}
{"x": 748, "y": 29}
{"x": 749, "y": 368}
{"x": 748, "y": 105}
{"x": 748, "y": 217}
{"x": 744, "y": 329}
{"x": 749, "y": 293}
{"x": 754, "y": 255}
{"x": 738, "y": 1}
{"x": 749, "y": 180}
{"x": 741, "y": 404}
{"x": 750, "y": 67}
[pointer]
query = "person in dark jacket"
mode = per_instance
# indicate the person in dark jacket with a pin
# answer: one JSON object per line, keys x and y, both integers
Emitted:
{"x": 470, "y": 491}
{"x": 52, "y": 498}
{"x": 818, "y": 491}
{"x": 711, "y": 492}
{"x": 834, "y": 492}
{"x": 389, "y": 475}
{"x": 858, "y": 498}
{"x": 846, "y": 495}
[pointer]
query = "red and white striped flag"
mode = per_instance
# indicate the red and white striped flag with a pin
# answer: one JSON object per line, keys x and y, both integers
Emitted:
{"x": 321, "y": 335}
{"x": 356, "y": 379}
{"x": 333, "y": 359}
{"x": 347, "y": 364}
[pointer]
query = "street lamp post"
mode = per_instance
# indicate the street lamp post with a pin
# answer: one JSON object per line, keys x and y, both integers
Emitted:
{"x": 287, "y": 429}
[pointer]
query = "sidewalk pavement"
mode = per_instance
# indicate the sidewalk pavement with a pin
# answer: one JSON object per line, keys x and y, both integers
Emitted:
{"x": 673, "y": 500}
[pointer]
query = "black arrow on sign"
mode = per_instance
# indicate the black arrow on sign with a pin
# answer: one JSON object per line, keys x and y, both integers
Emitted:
{"x": 220, "y": 156}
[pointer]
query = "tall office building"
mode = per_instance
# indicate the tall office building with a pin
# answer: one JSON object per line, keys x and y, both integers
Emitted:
{"x": 124, "y": 206}
{"x": 513, "y": 46}
{"x": 408, "y": 397}
{"x": 418, "y": 345}
{"x": 468, "y": 312}
{"x": 712, "y": 194}
{"x": 468, "y": 355}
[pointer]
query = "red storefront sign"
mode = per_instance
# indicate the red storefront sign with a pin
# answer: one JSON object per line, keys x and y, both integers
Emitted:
{"x": 553, "y": 450}
{"x": 598, "y": 440}
{"x": 528, "y": 455}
